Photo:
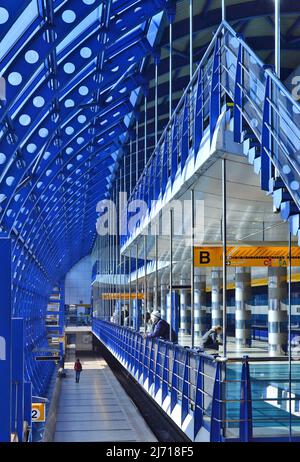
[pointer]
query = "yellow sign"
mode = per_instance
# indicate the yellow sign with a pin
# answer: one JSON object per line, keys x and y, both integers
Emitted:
{"x": 38, "y": 412}
{"x": 122, "y": 296}
{"x": 246, "y": 256}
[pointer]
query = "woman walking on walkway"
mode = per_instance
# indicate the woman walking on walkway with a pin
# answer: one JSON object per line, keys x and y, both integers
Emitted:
{"x": 77, "y": 369}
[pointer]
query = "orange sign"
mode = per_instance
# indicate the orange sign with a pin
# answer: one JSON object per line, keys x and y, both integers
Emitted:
{"x": 246, "y": 256}
{"x": 122, "y": 296}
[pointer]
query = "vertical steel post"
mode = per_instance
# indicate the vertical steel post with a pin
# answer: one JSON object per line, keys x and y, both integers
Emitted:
{"x": 118, "y": 249}
{"x": 171, "y": 270}
{"x": 290, "y": 334}
{"x": 191, "y": 39}
{"x": 156, "y": 102}
{"x": 114, "y": 254}
{"x": 136, "y": 152}
{"x": 18, "y": 376}
{"x": 145, "y": 283}
{"x": 5, "y": 340}
{"x": 277, "y": 70}
{"x": 277, "y": 38}
{"x": 130, "y": 303}
{"x": 223, "y": 11}
{"x": 28, "y": 405}
{"x": 124, "y": 257}
{"x": 136, "y": 322}
{"x": 145, "y": 134}
{"x": 170, "y": 70}
{"x": 156, "y": 267}
{"x": 192, "y": 268}
{"x": 224, "y": 237}
{"x": 109, "y": 262}
{"x": 130, "y": 168}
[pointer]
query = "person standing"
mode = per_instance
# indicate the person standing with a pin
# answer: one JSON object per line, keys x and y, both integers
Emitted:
{"x": 78, "y": 369}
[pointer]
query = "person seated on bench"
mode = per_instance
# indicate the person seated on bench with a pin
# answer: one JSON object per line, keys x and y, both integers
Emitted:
{"x": 161, "y": 328}
{"x": 211, "y": 339}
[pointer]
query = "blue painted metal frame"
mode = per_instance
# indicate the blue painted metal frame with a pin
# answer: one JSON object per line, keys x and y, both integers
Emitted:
{"x": 151, "y": 365}
{"x": 217, "y": 411}
{"x": 27, "y": 406}
{"x": 165, "y": 163}
{"x": 5, "y": 341}
{"x": 198, "y": 117}
{"x": 266, "y": 139}
{"x": 207, "y": 405}
{"x": 18, "y": 377}
{"x": 165, "y": 379}
{"x": 199, "y": 399}
{"x": 174, "y": 158}
{"x": 185, "y": 389}
{"x": 158, "y": 367}
{"x": 185, "y": 132}
{"x": 246, "y": 425}
{"x": 262, "y": 104}
{"x": 238, "y": 98}
{"x": 215, "y": 99}
{"x": 57, "y": 165}
{"x": 174, "y": 387}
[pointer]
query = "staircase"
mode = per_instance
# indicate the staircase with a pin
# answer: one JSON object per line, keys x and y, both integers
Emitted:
{"x": 265, "y": 119}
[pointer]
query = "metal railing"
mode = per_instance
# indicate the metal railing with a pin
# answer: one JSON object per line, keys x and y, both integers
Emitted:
{"x": 263, "y": 109}
{"x": 230, "y": 398}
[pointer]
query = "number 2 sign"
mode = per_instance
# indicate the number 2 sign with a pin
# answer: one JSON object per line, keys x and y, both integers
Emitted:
{"x": 38, "y": 413}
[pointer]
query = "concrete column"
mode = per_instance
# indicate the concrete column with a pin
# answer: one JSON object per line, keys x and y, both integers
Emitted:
{"x": 200, "y": 304}
{"x": 242, "y": 311}
{"x": 163, "y": 300}
{"x": 277, "y": 317}
{"x": 185, "y": 309}
{"x": 216, "y": 298}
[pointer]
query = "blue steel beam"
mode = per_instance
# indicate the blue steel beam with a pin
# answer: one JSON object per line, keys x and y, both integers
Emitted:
{"x": 5, "y": 340}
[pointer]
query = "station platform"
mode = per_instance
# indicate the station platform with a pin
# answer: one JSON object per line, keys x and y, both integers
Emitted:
{"x": 97, "y": 408}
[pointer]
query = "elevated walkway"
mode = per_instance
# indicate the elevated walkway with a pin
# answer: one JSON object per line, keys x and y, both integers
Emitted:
{"x": 97, "y": 408}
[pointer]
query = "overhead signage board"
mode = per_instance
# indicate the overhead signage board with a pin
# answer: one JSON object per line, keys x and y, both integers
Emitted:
{"x": 122, "y": 296}
{"x": 38, "y": 412}
{"x": 47, "y": 358}
{"x": 245, "y": 256}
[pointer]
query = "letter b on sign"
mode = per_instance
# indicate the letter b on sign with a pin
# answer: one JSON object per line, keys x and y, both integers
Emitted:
{"x": 204, "y": 258}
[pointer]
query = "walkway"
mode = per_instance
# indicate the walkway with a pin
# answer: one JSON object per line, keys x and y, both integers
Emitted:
{"x": 97, "y": 408}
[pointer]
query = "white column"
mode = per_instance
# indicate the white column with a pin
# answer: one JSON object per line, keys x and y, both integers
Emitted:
{"x": 277, "y": 317}
{"x": 216, "y": 298}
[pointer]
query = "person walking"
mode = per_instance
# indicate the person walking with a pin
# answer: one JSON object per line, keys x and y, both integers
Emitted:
{"x": 78, "y": 369}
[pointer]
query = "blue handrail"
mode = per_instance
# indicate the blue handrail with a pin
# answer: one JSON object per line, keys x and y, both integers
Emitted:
{"x": 191, "y": 381}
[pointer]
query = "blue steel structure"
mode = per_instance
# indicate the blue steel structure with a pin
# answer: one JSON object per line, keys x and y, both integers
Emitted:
{"x": 74, "y": 74}
{"x": 208, "y": 398}
{"x": 193, "y": 382}
{"x": 266, "y": 118}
